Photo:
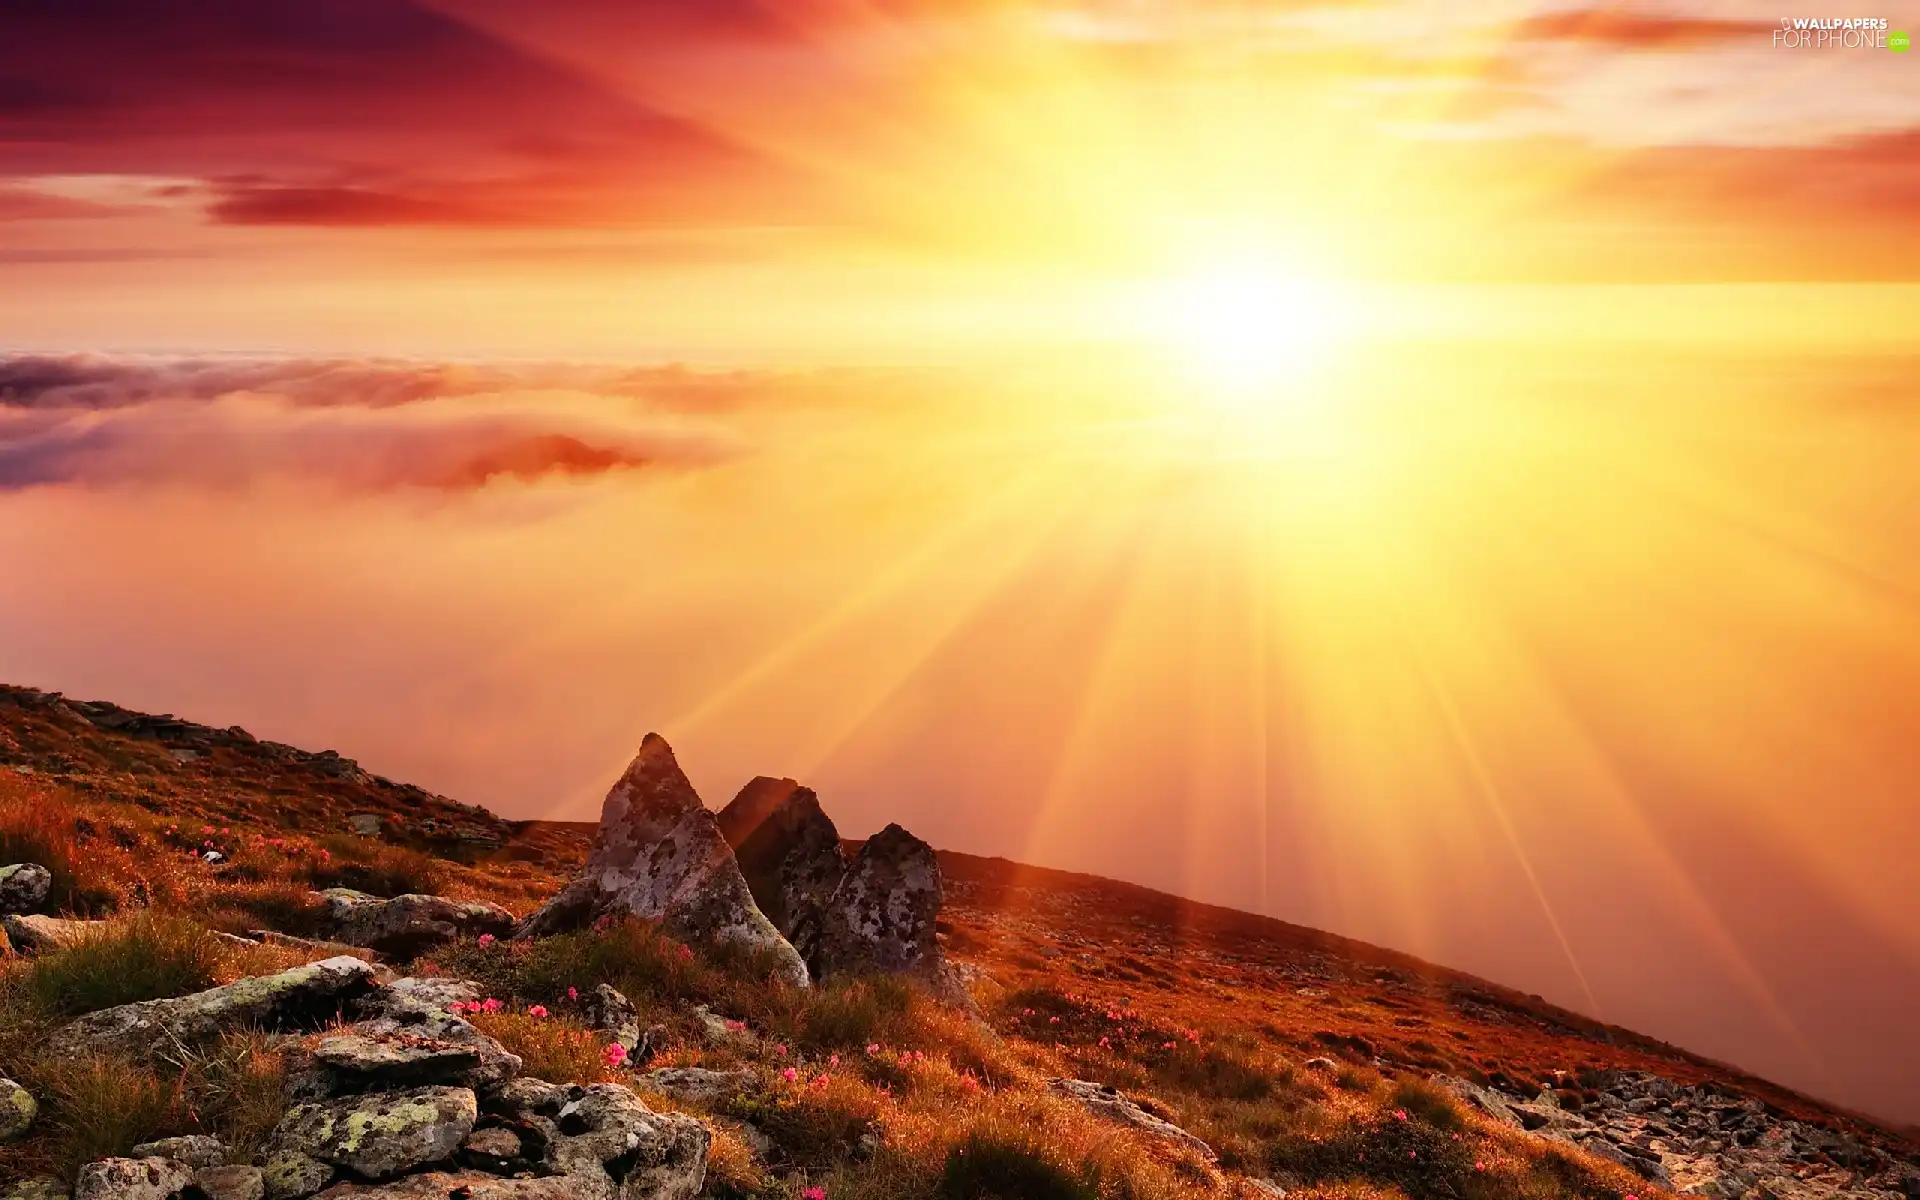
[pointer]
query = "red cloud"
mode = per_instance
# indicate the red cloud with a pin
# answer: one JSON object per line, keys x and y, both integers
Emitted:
{"x": 1635, "y": 31}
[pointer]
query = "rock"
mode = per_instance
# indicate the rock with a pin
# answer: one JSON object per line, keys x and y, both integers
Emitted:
{"x": 1485, "y": 1099}
{"x": 132, "y": 1179}
{"x": 698, "y": 1085}
{"x": 1104, "y": 1101}
{"x": 409, "y": 925}
{"x": 397, "y": 1058}
{"x": 789, "y": 851}
{"x": 473, "y": 1185}
{"x": 381, "y": 1135}
{"x": 289, "y": 1175}
{"x": 608, "y": 1130}
{"x": 658, "y": 855}
{"x": 37, "y": 935}
{"x": 301, "y": 997}
{"x": 497, "y": 1149}
{"x": 1261, "y": 1187}
{"x": 197, "y": 1150}
{"x": 231, "y": 1183}
{"x": 605, "y": 1009}
{"x": 364, "y": 824}
{"x": 24, "y": 887}
{"x": 38, "y": 1187}
{"x": 1323, "y": 1065}
{"x": 17, "y": 1109}
{"x": 273, "y": 937}
{"x": 881, "y": 917}
{"x": 408, "y": 1036}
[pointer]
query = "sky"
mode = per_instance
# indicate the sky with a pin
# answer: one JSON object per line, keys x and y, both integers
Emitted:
{"x": 1437, "y": 472}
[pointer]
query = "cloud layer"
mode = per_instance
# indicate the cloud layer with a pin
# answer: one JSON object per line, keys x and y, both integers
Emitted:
{"x": 358, "y": 425}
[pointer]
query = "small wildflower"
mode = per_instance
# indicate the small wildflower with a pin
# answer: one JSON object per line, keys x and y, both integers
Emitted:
{"x": 491, "y": 1005}
{"x": 457, "y": 1007}
{"x": 537, "y": 1010}
{"x": 685, "y": 953}
{"x": 780, "y": 1049}
{"x": 833, "y": 1060}
{"x": 814, "y": 1193}
{"x": 615, "y": 1054}
{"x": 486, "y": 939}
{"x": 1479, "y": 1166}
{"x": 735, "y": 1026}
{"x": 1399, "y": 1114}
{"x": 573, "y": 993}
{"x": 873, "y": 1048}
{"x": 789, "y": 1074}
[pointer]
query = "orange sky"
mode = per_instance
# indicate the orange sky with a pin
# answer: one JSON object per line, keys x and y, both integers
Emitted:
{"x": 1438, "y": 472}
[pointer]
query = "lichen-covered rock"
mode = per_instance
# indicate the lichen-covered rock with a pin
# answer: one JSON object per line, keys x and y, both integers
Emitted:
{"x": 605, "y": 1132}
{"x": 37, "y": 1187}
{"x": 37, "y": 935}
{"x": 132, "y": 1179}
{"x": 608, "y": 1130}
{"x": 406, "y": 926}
{"x": 789, "y": 851}
{"x": 290, "y": 1175}
{"x": 408, "y": 1036}
{"x": 197, "y": 1150}
{"x": 24, "y": 887}
{"x": 381, "y": 1135}
{"x": 238, "y": 1182}
{"x": 658, "y": 854}
{"x": 296, "y": 998}
{"x": 474, "y": 1185}
{"x": 605, "y": 1008}
{"x": 697, "y": 1085}
{"x": 1104, "y": 1101}
{"x": 882, "y": 916}
{"x": 17, "y": 1109}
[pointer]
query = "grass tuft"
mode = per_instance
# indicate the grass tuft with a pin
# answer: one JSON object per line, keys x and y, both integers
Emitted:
{"x": 145, "y": 957}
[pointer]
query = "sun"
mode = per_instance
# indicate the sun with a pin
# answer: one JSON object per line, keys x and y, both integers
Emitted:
{"x": 1248, "y": 326}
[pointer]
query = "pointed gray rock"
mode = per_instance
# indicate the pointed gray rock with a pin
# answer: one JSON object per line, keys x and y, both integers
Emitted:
{"x": 658, "y": 855}
{"x": 881, "y": 917}
{"x": 789, "y": 851}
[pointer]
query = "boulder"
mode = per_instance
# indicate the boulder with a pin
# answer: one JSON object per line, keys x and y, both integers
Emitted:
{"x": 132, "y": 1179}
{"x": 37, "y": 935}
{"x": 289, "y": 1175}
{"x": 658, "y": 855}
{"x": 409, "y": 925}
{"x": 497, "y": 1149}
{"x": 698, "y": 1085}
{"x": 881, "y": 917}
{"x": 407, "y": 1037}
{"x": 605, "y": 1133}
{"x": 789, "y": 851}
{"x": 231, "y": 1183}
{"x": 24, "y": 887}
{"x": 17, "y": 1109}
{"x": 607, "y": 1010}
{"x": 301, "y": 997}
{"x": 197, "y": 1150}
{"x": 474, "y": 1185}
{"x": 1107, "y": 1103}
{"x": 381, "y": 1135}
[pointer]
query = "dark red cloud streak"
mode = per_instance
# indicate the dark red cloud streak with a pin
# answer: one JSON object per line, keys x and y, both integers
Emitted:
{"x": 1636, "y": 31}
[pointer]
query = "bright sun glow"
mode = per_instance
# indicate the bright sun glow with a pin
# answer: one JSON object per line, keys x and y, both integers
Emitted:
{"x": 1248, "y": 326}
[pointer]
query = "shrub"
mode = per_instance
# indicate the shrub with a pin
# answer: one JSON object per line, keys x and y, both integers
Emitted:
{"x": 376, "y": 869}
{"x": 999, "y": 1166}
{"x": 550, "y": 1047}
{"x": 146, "y": 957}
{"x": 1428, "y": 1101}
{"x": 36, "y": 827}
{"x": 102, "y": 1107}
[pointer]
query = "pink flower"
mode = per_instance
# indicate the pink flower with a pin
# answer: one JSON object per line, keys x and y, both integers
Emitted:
{"x": 616, "y": 1054}
{"x": 1399, "y": 1114}
{"x": 537, "y": 1010}
{"x": 833, "y": 1060}
{"x": 814, "y": 1193}
{"x": 1479, "y": 1166}
{"x": 789, "y": 1074}
{"x": 734, "y": 1026}
{"x": 1104, "y": 1045}
{"x": 781, "y": 1049}
{"x": 685, "y": 953}
{"x": 873, "y": 1048}
{"x": 573, "y": 993}
{"x": 457, "y": 1007}
{"x": 491, "y": 1005}
{"x": 486, "y": 939}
